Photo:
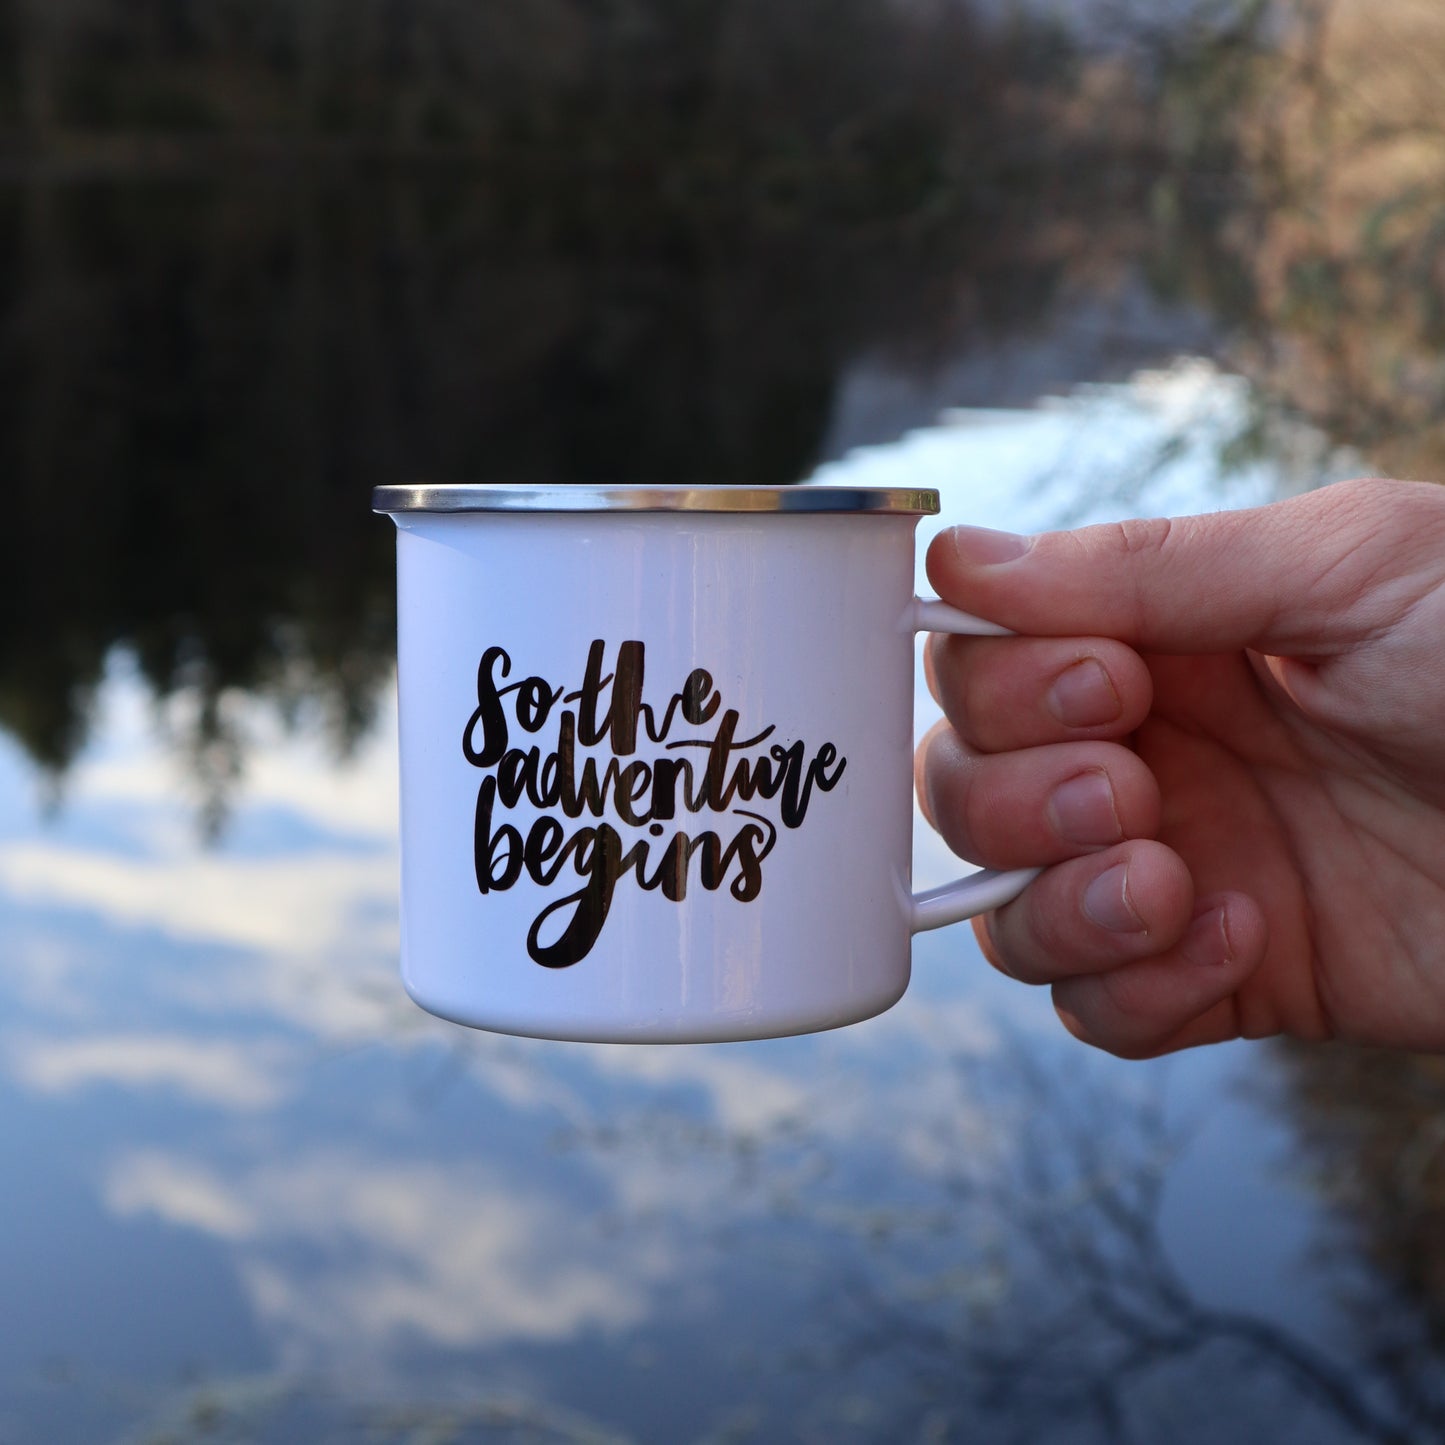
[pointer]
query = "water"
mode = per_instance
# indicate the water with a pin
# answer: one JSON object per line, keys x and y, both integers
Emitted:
{"x": 254, "y": 1193}
{"x": 249, "y": 1191}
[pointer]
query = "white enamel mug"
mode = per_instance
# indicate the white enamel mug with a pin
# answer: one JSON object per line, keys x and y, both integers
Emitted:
{"x": 656, "y": 758}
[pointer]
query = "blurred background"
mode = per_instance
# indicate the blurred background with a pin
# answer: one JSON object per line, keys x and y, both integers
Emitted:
{"x": 1064, "y": 261}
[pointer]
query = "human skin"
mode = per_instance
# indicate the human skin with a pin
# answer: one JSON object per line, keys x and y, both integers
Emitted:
{"x": 1224, "y": 738}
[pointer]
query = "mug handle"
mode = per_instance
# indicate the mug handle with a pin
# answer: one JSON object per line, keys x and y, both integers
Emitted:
{"x": 986, "y": 889}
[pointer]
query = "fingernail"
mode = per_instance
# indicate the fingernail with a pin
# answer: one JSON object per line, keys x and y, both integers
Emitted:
{"x": 1206, "y": 944}
{"x": 983, "y": 547}
{"x": 1106, "y": 902}
{"x": 1083, "y": 696}
{"x": 1082, "y": 810}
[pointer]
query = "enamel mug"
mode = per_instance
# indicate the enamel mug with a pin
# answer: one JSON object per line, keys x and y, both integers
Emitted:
{"x": 656, "y": 757}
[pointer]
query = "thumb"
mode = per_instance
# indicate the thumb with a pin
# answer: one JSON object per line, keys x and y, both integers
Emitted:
{"x": 1309, "y": 576}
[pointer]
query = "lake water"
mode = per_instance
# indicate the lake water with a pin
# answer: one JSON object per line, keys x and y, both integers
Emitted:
{"x": 252, "y": 1193}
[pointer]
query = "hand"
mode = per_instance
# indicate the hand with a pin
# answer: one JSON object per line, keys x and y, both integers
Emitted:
{"x": 1226, "y": 736}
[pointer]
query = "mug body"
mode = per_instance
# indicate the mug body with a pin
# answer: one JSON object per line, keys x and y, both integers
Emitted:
{"x": 655, "y": 765}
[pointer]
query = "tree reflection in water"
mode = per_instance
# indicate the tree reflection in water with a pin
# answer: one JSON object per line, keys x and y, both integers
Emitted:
{"x": 638, "y": 257}
{"x": 203, "y": 383}
{"x": 1030, "y": 1294}
{"x": 1371, "y": 1131}
{"x": 1112, "y": 1330}
{"x": 203, "y": 375}
{"x": 1023, "y": 1289}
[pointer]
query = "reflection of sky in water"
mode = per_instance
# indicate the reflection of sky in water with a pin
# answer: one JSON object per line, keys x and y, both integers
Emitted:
{"x": 246, "y": 1175}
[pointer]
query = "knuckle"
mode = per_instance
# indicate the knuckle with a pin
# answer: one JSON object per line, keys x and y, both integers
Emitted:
{"x": 990, "y": 815}
{"x": 949, "y": 798}
{"x": 931, "y": 676}
{"x": 985, "y": 933}
{"x": 1136, "y": 536}
{"x": 1408, "y": 516}
{"x": 1035, "y": 944}
{"x": 1086, "y": 1008}
{"x": 1381, "y": 494}
{"x": 932, "y": 772}
{"x": 1007, "y": 939}
{"x": 1132, "y": 545}
{"x": 1374, "y": 509}
{"x": 1130, "y": 1006}
{"x": 952, "y": 680}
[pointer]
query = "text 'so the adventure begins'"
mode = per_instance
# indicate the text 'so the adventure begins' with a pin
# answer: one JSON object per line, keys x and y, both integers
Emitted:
{"x": 610, "y": 761}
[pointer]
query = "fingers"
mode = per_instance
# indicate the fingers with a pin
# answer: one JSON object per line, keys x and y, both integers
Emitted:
{"x": 1002, "y": 693}
{"x": 1138, "y": 966}
{"x": 1178, "y": 999}
{"x": 1092, "y": 914}
{"x": 1037, "y": 806}
{"x": 1303, "y": 577}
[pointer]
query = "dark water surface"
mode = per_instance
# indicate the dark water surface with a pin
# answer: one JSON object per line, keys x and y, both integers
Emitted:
{"x": 251, "y": 1193}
